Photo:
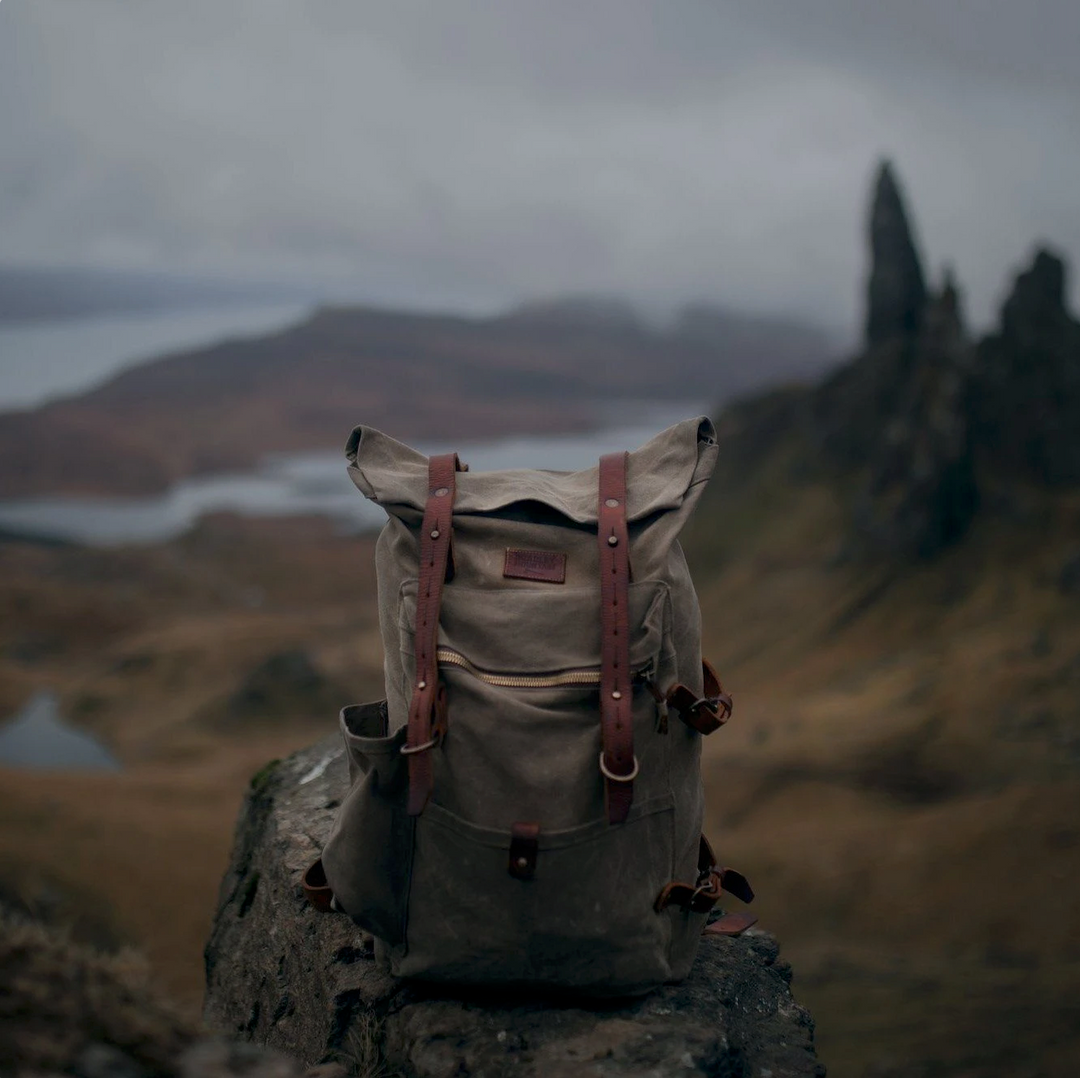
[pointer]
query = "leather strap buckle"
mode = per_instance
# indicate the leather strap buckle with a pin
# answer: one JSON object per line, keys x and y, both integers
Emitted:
{"x": 618, "y": 778}
{"x": 703, "y": 886}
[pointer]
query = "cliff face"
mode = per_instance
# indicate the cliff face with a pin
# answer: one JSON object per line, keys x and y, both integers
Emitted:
{"x": 283, "y": 975}
{"x": 1026, "y": 392}
{"x": 924, "y": 420}
{"x": 896, "y": 290}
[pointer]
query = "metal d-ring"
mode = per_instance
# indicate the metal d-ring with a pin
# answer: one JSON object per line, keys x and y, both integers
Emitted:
{"x": 407, "y": 750}
{"x": 618, "y": 778}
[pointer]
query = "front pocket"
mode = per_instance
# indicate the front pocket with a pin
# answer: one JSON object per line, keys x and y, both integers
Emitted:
{"x": 522, "y": 673}
{"x": 368, "y": 856}
{"x": 584, "y": 921}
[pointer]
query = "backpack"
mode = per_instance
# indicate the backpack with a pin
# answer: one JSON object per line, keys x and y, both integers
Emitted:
{"x": 522, "y": 810}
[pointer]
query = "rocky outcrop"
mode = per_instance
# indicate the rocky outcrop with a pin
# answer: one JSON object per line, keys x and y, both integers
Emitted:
{"x": 896, "y": 290}
{"x": 921, "y": 492}
{"x": 283, "y": 975}
{"x": 924, "y": 420}
{"x": 854, "y": 407}
{"x": 1027, "y": 394}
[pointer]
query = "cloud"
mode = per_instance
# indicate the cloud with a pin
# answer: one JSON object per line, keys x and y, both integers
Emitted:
{"x": 474, "y": 153}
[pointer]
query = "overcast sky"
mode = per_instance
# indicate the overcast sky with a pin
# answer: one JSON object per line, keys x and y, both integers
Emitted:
{"x": 474, "y": 152}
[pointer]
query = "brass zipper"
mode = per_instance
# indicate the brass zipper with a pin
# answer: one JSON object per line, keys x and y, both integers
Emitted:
{"x": 585, "y": 676}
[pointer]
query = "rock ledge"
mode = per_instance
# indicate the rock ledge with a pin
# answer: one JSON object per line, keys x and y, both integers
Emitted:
{"x": 280, "y": 974}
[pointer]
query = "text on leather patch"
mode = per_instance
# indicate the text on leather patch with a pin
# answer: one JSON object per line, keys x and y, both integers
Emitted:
{"x": 546, "y": 565}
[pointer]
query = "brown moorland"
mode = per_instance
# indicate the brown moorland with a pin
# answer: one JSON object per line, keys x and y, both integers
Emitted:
{"x": 900, "y": 781}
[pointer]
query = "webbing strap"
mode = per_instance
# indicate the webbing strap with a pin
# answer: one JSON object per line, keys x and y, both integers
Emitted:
{"x": 427, "y": 710}
{"x": 618, "y": 764}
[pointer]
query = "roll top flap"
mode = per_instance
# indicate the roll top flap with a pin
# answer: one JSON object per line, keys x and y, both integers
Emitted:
{"x": 663, "y": 474}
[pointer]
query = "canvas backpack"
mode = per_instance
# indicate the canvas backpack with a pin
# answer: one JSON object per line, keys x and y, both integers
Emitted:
{"x": 525, "y": 806}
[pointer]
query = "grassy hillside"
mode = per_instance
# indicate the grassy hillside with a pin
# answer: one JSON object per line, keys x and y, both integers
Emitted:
{"x": 902, "y": 776}
{"x": 184, "y": 658}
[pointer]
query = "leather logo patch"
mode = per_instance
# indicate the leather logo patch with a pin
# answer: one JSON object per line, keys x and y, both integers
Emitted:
{"x": 546, "y": 565}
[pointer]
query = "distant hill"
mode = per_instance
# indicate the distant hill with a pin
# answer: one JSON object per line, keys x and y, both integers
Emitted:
{"x": 544, "y": 368}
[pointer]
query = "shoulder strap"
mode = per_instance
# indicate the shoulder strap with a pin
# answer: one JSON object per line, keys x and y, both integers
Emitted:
{"x": 618, "y": 764}
{"x": 427, "y": 711}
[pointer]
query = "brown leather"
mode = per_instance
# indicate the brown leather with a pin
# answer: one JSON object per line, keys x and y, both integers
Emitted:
{"x": 731, "y": 924}
{"x": 547, "y": 566}
{"x": 700, "y": 897}
{"x": 705, "y": 713}
{"x": 316, "y": 889}
{"x": 617, "y": 758}
{"x": 735, "y": 883}
{"x": 427, "y": 711}
{"x": 524, "y": 845}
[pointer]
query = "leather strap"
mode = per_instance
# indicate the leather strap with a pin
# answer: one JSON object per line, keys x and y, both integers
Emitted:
{"x": 731, "y": 924}
{"x": 700, "y": 897}
{"x": 617, "y": 762}
{"x": 316, "y": 889}
{"x": 427, "y": 710}
{"x": 524, "y": 846}
{"x": 705, "y": 713}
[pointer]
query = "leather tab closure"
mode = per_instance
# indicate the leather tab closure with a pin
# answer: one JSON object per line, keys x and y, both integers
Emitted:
{"x": 427, "y": 710}
{"x": 524, "y": 846}
{"x": 316, "y": 889}
{"x": 618, "y": 765}
{"x": 706, "y": 713}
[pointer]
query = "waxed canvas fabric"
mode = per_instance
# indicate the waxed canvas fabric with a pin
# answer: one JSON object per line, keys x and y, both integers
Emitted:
{"x": 435, "y": 890}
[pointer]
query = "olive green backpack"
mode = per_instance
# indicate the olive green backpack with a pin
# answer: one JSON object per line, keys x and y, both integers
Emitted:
{"x": 525, "y": 806}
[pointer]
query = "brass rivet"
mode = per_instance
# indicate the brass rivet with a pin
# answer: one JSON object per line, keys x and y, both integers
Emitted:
{"x": 612, "y": 503}
{"x": 434, "y": 533}
{"x": 421, "y": 684}
{"x": 522, "y": 863}
{"x": 616, "y": 695}
{"x": 442, "y": 492}
{"x": 612, "y": 540}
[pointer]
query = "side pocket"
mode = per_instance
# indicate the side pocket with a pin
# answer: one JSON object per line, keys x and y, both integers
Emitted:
{"x": 368, "y": 857}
